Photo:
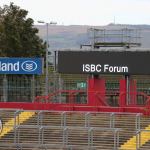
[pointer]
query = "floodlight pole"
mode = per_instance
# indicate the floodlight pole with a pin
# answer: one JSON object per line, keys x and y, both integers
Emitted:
{"x": 46, "y": 76}
{"x": 47, "y": 46}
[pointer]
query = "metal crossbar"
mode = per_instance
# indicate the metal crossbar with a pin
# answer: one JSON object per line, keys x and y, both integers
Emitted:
{"x": 65, "y": 138}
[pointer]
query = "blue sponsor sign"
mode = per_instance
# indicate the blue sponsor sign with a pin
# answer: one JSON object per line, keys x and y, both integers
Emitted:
{"x": 21, "y": 65}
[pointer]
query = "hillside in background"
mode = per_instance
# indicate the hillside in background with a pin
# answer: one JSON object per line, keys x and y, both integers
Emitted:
{"x": 65, "y": 37}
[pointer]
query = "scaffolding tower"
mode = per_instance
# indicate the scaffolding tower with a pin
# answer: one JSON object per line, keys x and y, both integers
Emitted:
{"x": 124, "y": 37}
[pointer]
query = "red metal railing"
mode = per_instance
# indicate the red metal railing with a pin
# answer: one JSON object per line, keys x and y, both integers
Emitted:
{"x": 48, "y": 98}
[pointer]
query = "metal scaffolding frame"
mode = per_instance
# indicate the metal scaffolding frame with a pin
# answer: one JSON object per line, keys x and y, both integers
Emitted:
{"x": 123, "y": 37}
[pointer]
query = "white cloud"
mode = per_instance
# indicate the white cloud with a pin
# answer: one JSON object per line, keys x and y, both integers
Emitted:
{"x": 90, "y": 12}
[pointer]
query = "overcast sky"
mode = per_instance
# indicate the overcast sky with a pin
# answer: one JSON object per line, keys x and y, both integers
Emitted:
{"x": 86, "y": 12}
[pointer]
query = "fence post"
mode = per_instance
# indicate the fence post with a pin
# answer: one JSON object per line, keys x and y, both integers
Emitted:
{"x": 18, "y": 135}
{"x": 87, "y": 119}
{"x": 138, "y": 139}
{"x": 138, "y": 122}
{"x": 5, "y": 88}
{"x": 116, "y": 139}
{"x": 112, "y": 120}
{"x": 90, "y": 137}
{"x": 32, "y": 88}
{"x": 41, "y": 130}
{"x": 115, "y": 145}
{"x": 63, "y": 119}
{"x": 60, "y": 88}
{"x": 16, "y": 122}
{"x": 65, "y": 136}
{"x": 15, "y": 134}
{"x": 40, "y": 118}
{"x": 16, "y": 117}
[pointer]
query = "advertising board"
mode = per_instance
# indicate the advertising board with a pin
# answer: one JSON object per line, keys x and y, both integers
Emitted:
{"x": 104, "y": 62}
{"x": 21, "y": 65}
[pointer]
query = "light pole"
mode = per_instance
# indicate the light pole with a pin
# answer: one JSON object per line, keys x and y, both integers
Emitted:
{"x": 47, "y": 45}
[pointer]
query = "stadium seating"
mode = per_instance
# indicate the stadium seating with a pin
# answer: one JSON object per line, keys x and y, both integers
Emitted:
{"x": 47, "y": 130}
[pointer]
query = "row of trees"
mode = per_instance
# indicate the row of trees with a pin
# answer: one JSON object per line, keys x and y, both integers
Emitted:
{"x": 18, "y": 36}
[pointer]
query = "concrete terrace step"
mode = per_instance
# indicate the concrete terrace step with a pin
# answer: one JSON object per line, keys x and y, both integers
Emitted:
{"x": 77, "y": 138}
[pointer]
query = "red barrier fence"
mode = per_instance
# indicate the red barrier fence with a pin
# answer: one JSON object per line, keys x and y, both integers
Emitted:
{"x": 71, "y": 107}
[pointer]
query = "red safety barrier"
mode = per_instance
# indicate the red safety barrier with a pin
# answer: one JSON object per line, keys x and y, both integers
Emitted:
{"x": 71, "y": 107}
{"x": 96, "y": 95}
